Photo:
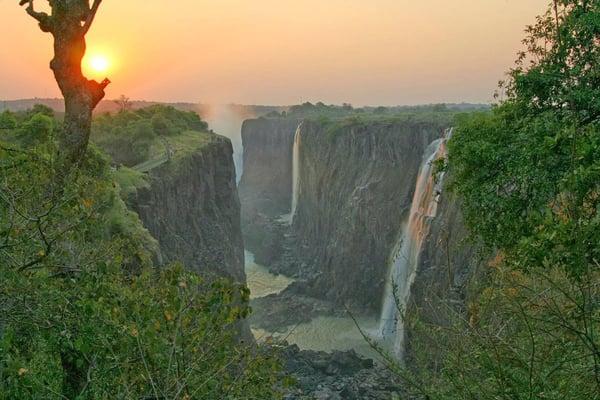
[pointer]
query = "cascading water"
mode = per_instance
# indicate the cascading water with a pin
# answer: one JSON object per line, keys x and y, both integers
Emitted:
{"x": 296, "y": 171}
{"x": 289, "y": 218}
{"x": 405, "y": 256}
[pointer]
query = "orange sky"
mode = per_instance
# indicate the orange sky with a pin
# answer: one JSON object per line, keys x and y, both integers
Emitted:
{"x": 283, "y": 51}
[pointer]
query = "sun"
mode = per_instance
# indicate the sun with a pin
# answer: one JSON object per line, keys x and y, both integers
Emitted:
{"x": 99, "y": 63}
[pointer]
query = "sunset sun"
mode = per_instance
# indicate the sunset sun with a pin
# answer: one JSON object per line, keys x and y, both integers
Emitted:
{"x": 99, "y": 63}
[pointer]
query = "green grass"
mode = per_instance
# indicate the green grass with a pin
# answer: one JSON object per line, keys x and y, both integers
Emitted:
{"x": 130, "y": 181}
{"x": 180, "y": 146}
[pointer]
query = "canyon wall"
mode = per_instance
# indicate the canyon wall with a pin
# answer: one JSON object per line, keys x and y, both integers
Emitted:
{"x": 266, "y": 184}
{"x": 191, "y": 207}
{"x": 356, "y": 187}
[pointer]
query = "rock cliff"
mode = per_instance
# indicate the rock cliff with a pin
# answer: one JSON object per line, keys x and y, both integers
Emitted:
{"x": 266, "y": 184}
{"x": 191, "y": 207}
{"x": 356, "y": 186}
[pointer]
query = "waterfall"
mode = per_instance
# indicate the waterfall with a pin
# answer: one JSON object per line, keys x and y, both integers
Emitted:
{"x": 295, "y": 171}
{"x": 405, "y": 255}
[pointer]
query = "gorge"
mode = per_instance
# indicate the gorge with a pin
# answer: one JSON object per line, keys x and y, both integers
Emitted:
{"x": 367, "y": 249}
{"x": 350, "y": 208}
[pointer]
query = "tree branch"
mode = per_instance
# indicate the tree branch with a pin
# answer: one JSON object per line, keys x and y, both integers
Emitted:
{"x": 90, "y": 19}
{"x": 41, "y": 17}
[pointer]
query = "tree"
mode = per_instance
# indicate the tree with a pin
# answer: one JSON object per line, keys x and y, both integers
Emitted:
{"x": 38, "y": 129}
{"x": 124, "y": 103}
{"x": 7, "y": 120}
{"x": 529, "y": 172}
{"x": 39, "y": 109}
{"x": 69, "y": 22}
{"x": 161, "y": 125}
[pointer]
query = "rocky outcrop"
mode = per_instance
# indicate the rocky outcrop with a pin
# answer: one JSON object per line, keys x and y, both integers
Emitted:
{"x": 192, "y": 209}
{"x": 356, "y": 186}
{"x": 290, "y": 308}
{"x": 340, "y": 375}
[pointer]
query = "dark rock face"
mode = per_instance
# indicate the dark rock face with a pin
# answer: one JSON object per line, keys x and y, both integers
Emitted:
{"x": 356, "y": 189}
{"x": 336, "y": 376}
{"x": 278, "y": 312}
{"x": 192, "y": 209}
{"x": 266, "y": 185}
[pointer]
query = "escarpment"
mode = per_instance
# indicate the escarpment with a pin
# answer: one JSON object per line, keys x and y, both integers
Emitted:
{"x": 356, "y": 187}
{"x": 266, "y": 187}
{"x": 191, "y": 207}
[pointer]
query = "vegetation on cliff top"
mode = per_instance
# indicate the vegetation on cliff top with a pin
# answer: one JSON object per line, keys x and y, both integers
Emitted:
{"x": 337, "y": 120}
{"x": 334, "y": 128}
{"x": 142, "y": 140}
{"x": 149, "y": 135}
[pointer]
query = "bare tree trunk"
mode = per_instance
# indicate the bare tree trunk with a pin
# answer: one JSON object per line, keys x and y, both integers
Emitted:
{"x": 69, "y": 23}
{"x": 557, "y": 21}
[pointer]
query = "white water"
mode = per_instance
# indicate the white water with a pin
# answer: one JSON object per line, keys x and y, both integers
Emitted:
{"x": 296, "y": 171}
{"x": 227, "y": 120}
{"x": 405, "y": 256}
{"x": 261, "y": 282}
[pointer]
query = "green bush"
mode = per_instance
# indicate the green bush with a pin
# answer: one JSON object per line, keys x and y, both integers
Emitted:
{"x": 8, "y": 120}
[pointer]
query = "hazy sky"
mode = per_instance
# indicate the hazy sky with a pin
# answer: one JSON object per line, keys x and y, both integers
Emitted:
{"x": 283, "y": 51}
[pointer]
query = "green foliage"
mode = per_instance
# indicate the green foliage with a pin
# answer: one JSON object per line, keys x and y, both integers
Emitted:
{"x": 104, "y": 335}
{"x": 335, "y": 127}
{"x": 130, "y": 181}
{"x": 530, "y": 172}
{"x": 161, "y": 126}
{"x": 523, "y": 336}
{"x": 39, "y": 109}
{"x": 8, "y": 120}
{"x": 315, "y": 111}
{"x": 38, "y": 129}
{"x": 83, "y": 313}
{"x": 129, "y": 137}
{"x": 559, "y": 72}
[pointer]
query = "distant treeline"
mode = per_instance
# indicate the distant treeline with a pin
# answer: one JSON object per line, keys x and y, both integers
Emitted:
{"x": 203, "y": 108}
